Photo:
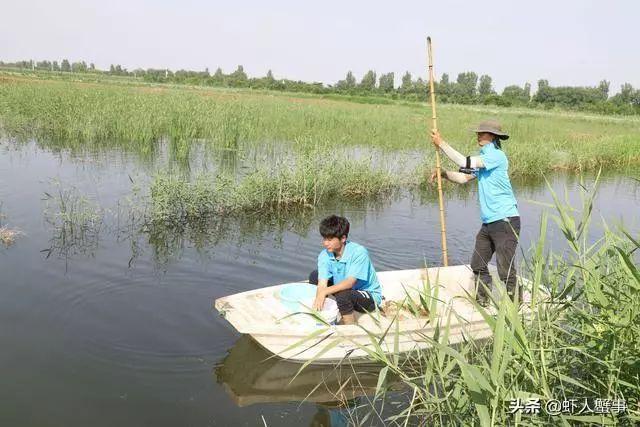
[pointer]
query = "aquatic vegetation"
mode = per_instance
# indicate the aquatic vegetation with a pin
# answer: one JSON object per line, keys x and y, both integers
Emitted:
{"x": 582, "y": 341}
{"x": 75, "y": 222}
{"x": 306, "y": 184}
{"x": 100, "y": 116}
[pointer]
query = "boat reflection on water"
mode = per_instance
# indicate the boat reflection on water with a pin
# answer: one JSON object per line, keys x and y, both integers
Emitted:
{"x": 250, "y": 374}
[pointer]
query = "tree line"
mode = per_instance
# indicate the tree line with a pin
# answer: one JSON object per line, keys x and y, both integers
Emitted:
{"x": 468, "y": 88}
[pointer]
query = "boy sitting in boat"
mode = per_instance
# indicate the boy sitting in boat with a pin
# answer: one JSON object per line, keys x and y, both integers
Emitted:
{"x": 344, "y": 271}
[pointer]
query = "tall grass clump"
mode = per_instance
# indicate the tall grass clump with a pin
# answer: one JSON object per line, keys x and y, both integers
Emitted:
{"x": 306, "y": 183}
{"x": 579, "y": 339}
{"x": 75, "y": 221}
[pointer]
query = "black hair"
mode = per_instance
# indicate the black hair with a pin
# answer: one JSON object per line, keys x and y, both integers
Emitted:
{"x": 334, "y": 226}
{"x": 496, "y": 142}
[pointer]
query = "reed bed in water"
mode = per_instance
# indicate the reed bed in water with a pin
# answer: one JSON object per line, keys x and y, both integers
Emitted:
{"x": 306, "y": 183}
{"x": 134, "y": 118}
{"x": 583, "y": 341}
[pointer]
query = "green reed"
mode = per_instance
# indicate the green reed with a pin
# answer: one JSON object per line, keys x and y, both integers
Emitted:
{"x": 98, "y": 116}
{"x": 75, "y": 220}
{"x": 581, "y": 339}
{"x": 306, "y": 183}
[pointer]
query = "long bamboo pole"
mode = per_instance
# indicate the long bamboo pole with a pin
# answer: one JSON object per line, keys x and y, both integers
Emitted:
{"x": 434, "y": 126}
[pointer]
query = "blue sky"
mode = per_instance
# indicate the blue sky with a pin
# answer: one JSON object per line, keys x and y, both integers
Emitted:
{"x": 567, "y": 42}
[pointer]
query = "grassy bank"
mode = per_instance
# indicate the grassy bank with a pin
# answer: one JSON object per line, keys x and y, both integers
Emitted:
{"x": 98, "y": 116}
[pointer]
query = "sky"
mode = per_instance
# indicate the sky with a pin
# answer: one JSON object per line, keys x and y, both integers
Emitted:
{"x": 568, "y": 42}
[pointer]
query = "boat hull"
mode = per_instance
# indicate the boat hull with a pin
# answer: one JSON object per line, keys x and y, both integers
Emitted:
{"x": 445, "y": 293}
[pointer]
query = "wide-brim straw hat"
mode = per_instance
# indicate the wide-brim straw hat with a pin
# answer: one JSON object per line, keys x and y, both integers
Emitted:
{"x": 491, "y": 126}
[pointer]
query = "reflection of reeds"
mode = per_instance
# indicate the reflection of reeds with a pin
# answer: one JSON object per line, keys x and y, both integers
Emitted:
{"x": 582, "y": 340}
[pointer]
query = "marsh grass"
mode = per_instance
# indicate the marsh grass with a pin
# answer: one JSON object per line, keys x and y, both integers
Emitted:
{"x": 582, "y": 340}
{"x": 75, "y": 221}
{"x": 305, "y": 184}
{"x": 97, "y": 116}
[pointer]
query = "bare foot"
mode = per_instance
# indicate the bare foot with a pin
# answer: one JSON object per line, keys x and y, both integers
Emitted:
{"x": 348, "y": 319}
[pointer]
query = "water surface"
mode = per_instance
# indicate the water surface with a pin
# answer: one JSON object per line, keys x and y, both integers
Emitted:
{"x": 118, "y": 328}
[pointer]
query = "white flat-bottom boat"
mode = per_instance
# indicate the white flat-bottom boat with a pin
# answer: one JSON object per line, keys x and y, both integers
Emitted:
{"x": 428, "y": 298}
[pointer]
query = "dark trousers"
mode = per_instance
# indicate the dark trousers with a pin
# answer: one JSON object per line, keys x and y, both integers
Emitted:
{"x": 500, "y": 237}
{"x": 350, "y": 299}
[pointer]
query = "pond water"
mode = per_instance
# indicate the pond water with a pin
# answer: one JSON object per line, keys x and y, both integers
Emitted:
{"x": 117, "y": 328}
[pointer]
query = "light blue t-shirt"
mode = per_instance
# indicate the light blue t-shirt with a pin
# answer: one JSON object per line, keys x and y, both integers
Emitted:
{"x": 355, "y": 262}
{"x": 495, "y": 194}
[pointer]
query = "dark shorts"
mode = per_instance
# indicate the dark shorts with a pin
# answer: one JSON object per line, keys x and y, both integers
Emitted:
{"x": 350, "y": 299}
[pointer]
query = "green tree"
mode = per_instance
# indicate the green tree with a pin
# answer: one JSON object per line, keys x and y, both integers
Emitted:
{"x": 543, "y": 94}
{"x": 484, "y": 88}
{"x": 350, "y": 80}
{"x": 79, "y": 67}
{"x": 348, "y": 83}
{"x": 444, "y": 88}
{"x": 514, "y": 94}
{"x": 368, "y": 82}
{"x": 603, "y": 87}
{"x": 218, "y": 76}
{"x": 407, "y": 83}
{"x": 527, "y": 91}
{"x": 466, "y": 86}
{"x": 625, "y": 95}
{"x": 421, "y": 89}
{"x": 238, "y": 77}
{"x": 44, "y": 65}
{"x": 65, "y": 65}
{"x": 386, "y": 83}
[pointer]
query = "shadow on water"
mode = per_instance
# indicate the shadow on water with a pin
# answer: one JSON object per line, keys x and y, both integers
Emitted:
{"x": 251, "y": 375}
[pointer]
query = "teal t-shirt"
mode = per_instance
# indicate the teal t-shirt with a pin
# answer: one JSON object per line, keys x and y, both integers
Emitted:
{"x": 495, "y": 194}
{"x": 355, "y": 262}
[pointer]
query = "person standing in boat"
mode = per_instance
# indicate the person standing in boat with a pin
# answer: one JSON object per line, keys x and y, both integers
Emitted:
{"x": 344, "y": 271}
{"x": 500, "y": 228}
